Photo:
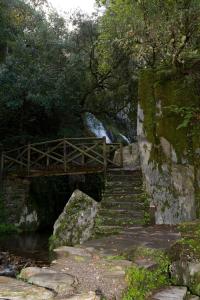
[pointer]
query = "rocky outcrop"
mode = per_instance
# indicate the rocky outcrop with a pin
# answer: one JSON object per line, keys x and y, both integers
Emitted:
{"x": 75, "y": 224}
{"x": 131, "y": 157}
{"x": 169, "y": 156}
{"x": 188, "y": 274}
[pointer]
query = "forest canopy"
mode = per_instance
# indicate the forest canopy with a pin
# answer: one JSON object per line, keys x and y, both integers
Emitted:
{"x": 54, "y": 70}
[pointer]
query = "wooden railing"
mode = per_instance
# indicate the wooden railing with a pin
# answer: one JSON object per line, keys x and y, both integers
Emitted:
{"x": 62, "y": 156}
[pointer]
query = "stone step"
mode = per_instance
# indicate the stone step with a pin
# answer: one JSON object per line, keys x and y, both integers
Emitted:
{"x": 126, "y": 178}
{"x": 125, "y": 172}
{"x": 123, "y": 185}
{"x": 122, "y": 213}
{"x": 107, "y": 230}
{"x": 121, "y": 198}
{"x": 123, "y": 189}
{"x": 122, "y": 192}
{"x": 123, "y": 205}
{"x": 121, "y": 221}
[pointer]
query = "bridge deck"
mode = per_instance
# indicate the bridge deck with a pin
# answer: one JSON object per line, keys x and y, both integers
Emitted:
{"x": 61, "y": 157}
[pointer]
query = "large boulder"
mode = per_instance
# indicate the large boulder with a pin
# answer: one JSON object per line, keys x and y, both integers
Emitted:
{"x": 131, "y": 157}
{"x": 76, "y": 222}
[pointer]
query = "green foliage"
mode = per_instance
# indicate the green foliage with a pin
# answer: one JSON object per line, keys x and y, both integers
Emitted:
{"x": 50, "y": 75}
{"x": 8, "y": 229}
{"x": 189, "y": 245}
{"x": 115, "y": 257}
{"x": 141, "y": 282}
{"x": 151, "y": 31}
{"x": 188, "y": 114}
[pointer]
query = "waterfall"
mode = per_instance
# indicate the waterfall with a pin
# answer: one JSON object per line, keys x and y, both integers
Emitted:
{"x": 97, "y": 127}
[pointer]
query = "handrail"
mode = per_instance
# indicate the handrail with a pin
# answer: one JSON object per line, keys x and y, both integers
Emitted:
{"x": 61, "y": 156}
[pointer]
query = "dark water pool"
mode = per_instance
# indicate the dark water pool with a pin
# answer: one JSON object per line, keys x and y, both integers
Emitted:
{"x": 28, "y": 245}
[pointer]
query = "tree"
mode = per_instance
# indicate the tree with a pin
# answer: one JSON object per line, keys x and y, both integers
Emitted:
{"x": 153, "y": 32}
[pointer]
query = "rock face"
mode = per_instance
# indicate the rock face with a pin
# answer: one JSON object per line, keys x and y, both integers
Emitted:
{"x": 169, "y": 156}
{"x": 131, "y": 157}
{"x": 188, "y": 274}
{"x": 75, "y": 224}
{"x": 12, "y": 289}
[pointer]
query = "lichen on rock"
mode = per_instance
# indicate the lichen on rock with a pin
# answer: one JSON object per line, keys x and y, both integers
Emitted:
{"x": 76, "y": 222}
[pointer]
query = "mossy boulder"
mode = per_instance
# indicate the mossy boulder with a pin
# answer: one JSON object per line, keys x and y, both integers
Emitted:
{"x": 76, "y": 222}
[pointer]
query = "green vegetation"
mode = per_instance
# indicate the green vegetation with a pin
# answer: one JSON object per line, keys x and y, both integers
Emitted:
{"x": 8, "y": 229}
{"x": 188, "y": 247}
{"x": 115, "y": 257}
{"x": 142, "y": 282}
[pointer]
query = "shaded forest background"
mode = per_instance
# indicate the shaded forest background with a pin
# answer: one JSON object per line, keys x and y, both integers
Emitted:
{"x": 51, "y": 75}
{"x": 55, "y": 69}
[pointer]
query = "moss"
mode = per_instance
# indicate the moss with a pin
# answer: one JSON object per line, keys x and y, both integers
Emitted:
{"x": 115, "y": 257}
{"x": 165, "y": 88}
{"x": 147, "y": 102}
{"x": 142, "y": 282}
{"x": 188, "y": 247}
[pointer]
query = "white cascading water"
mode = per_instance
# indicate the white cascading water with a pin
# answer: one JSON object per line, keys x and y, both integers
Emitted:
{"x": 96, "y": 127}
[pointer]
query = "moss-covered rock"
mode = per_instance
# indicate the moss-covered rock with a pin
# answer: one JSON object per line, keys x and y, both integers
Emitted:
{"x": 185, "y": 256}
{"x": 75, "y": 224}
{"x": 169, "y": 152}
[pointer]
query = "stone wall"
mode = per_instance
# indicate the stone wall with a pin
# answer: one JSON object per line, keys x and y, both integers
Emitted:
{"x": 16, "y": 204}
{"x": 169, "y": 156}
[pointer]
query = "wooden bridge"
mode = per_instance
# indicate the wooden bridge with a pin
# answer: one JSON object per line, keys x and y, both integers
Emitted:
{"x": 61, "y": 157}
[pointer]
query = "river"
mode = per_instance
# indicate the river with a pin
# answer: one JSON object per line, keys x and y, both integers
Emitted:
{"x": 30, "y": 246}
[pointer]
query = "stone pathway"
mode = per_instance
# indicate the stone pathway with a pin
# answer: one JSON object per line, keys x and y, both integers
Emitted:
{"x": 157, "y": 237}
{"x": 89, "y": 271}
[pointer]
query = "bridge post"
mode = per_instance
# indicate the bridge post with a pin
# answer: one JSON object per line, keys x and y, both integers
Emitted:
{"x": 2, "y": 163}
{"x": 121, "y": 156}
{"x": 105, "y": 154}
{"x": 29, "y": 159}
{"x": 65, "y": 155}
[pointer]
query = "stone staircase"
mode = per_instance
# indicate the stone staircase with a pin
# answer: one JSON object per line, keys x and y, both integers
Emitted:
{"x": 123, "y": 204}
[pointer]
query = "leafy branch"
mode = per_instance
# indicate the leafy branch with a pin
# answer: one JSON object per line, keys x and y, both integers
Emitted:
{"x": 189, "y": 115}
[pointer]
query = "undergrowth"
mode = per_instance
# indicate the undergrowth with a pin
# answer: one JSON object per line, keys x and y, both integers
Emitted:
{"x": 141, "y": 281}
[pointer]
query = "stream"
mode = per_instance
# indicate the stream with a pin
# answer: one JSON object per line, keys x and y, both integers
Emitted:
{"x": 23, "y": 250}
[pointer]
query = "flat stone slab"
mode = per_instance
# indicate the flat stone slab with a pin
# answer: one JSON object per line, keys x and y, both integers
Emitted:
{"x": 65, "y": 250}
{"x": 84, "y": 296}
{"x": 28, "y": 272}
{"x": 171, "y": 293}
{"x": 12, "y": 289}
{"x": 61, "y": 283}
